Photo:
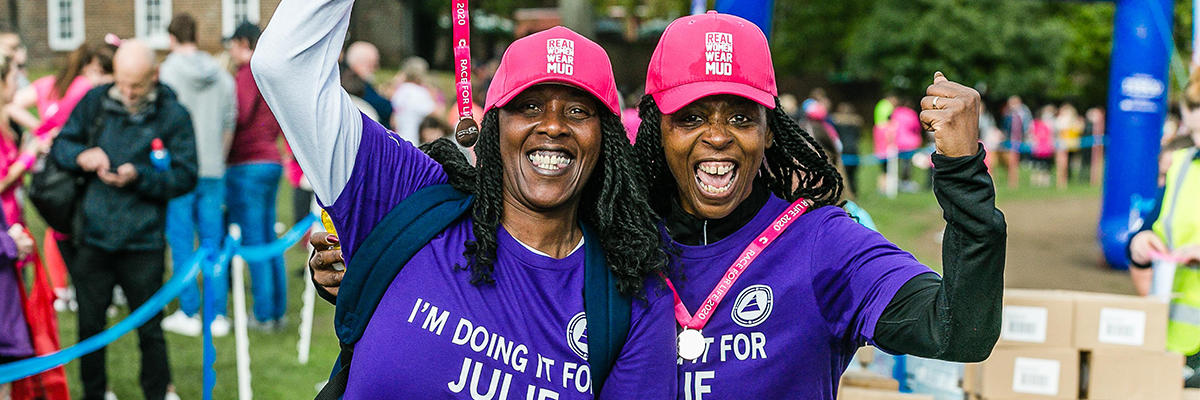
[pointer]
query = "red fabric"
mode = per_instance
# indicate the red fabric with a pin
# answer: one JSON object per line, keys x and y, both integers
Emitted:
{"x": 257, "y": 130}
{"x": 43, "y": 329}
{"x": 55, "y": 265}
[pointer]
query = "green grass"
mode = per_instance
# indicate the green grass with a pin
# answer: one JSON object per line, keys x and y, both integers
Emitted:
{"x": 911, "y": 218}
{"x": 276, "y": 372}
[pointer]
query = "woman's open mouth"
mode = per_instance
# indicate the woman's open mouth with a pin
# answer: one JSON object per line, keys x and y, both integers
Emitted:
{"x": 715, "y": 178}
{"x": 550, "y": 162}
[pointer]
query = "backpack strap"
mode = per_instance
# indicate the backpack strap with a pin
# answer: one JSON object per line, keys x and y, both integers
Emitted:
{"x": 406, "y": 229}
{"x": 402, "y": 232}
{"x": 607, "y": 311}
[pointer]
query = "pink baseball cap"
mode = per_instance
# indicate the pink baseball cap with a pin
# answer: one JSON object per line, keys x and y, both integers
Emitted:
{"x": 706, "y": 54}
{"x": 557, "y": 55}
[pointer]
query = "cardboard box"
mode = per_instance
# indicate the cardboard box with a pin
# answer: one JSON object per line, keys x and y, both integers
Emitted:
{"x": 1029, "y": 373}
{"x": 852, "y": 393}
{"x": 1037, "y": 318}
{"x": 970, "y": 379}
{"x": 868, "y": 380}
{"x": 1132, "y": 374}
{"x": 1191, "y": 394}
{"x": 1116, "y": 321}
{"x": 865, "y": 355}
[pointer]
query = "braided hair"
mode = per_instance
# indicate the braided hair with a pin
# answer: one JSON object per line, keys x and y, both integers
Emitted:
{"x": 612, "y": 203}
{"x": 793, "y": 167}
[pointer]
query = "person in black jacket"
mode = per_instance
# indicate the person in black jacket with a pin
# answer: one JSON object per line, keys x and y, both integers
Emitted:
{"x": 120, "y": 238}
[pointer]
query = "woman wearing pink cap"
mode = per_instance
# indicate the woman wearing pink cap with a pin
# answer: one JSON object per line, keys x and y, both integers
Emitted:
{"x": 491, "y": 306}
{"x": 775, "y": 286}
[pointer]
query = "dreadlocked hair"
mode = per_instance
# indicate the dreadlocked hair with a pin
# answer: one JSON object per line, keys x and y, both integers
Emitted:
{"x": 612, "y": 203}
{"x": 793, "y": 167}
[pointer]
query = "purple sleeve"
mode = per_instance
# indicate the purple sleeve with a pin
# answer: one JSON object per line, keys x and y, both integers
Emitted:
{"x": 646, "y": 367}
{"x": 8, "y": 250}
{"x": 387, "y": 169}
{"x": 856, "y": 271}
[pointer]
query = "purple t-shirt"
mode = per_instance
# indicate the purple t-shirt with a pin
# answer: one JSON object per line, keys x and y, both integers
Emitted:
{"x": 789, "y": 326}
{"x": 435, "y": 335}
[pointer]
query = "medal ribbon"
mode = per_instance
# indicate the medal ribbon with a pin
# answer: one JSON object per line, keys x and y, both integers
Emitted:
{"x": 462, "y": 57}
{"x": 697, "y": 322}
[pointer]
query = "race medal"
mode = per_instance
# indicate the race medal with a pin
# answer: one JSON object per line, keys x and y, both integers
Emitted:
{"x": 466, "y": 132}
{"x": 691, "y": 341}
{"x": 691, "y": 344}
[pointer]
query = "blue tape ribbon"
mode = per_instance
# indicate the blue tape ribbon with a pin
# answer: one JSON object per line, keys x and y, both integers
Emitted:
{"x": 267, "y": 251}
{"x": 170, "y": 290}
{"x": 212, "y": 277}
{"x": 31, "y": 366}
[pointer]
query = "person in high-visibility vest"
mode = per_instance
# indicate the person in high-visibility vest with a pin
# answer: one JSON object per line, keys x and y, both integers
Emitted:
{"x": 1172, "y": 232}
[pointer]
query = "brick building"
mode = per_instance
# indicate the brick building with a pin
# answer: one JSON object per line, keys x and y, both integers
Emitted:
{"x": 50, "y": 28}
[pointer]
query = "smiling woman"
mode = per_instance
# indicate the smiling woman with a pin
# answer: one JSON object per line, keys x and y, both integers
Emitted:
{"x": 493, "y": 304}
{"x": 722, "y": 162}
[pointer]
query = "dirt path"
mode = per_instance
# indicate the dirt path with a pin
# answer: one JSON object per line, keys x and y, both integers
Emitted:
{"x": 1052, "y": 245}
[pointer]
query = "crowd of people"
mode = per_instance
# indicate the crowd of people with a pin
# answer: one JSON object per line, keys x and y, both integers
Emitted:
{"x": 169, "y": 153}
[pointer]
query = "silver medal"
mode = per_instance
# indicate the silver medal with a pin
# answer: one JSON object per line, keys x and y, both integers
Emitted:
{"x": 691, "y": 344}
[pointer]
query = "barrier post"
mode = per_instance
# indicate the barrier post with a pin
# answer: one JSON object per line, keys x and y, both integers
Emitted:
{"x": 210, "y": 351}
{"x": 241, "y": 338}
{"x": 892, "y": 176}
{"x": 306, "y": 312}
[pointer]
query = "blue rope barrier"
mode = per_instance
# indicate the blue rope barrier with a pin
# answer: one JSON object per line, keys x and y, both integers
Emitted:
{"x": 212, "y": 277}
{"x": 170, "y": 290}
{"x": 267, "y": 251}
{"x": 31, "y": 366}
{"x": 1085, "y": 142}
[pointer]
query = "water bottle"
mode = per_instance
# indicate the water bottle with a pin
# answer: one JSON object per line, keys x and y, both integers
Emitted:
{"x": 160, "y": 158}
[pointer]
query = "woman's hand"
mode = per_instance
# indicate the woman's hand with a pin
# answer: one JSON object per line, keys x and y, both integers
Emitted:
{"x": 22, "y": 239}
{"x": 326, "y": 262}
{"x": 1144, "y": 246}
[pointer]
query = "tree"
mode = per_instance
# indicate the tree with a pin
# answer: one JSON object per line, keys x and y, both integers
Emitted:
{"x": 1014, "y": 47}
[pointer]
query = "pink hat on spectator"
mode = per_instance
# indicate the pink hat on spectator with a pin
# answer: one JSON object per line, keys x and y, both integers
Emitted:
{"x": 557, "y": 55}
{"x": 707, "y": 54}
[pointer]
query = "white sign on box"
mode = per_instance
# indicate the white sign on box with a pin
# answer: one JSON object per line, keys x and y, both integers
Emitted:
{"x": 1122, "y": 326}
{"x": 1035, "y": 376}
{"x": 1024, "y": 324}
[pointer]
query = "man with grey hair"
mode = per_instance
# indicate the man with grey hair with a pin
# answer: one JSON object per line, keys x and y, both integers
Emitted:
{"x": 362, "y": 59}
{"x": 119, "y": 230}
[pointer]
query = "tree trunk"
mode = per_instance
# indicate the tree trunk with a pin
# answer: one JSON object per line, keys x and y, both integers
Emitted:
{"x": 577, "y": 15}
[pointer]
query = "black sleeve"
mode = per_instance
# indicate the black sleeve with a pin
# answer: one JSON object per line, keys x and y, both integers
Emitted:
{"x": 955, "y": 317}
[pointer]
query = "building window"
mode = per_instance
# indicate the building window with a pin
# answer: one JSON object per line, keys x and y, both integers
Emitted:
{"x": 152, "y": 17}
{"x": 235, "y": 12}
{"x": 65, "y": 20}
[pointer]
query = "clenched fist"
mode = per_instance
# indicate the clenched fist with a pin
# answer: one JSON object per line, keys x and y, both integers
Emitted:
{"x": 951, "y": 111}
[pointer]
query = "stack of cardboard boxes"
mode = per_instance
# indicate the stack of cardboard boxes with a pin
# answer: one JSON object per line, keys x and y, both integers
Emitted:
{"x": 1075, "y": 345}
{"x": 860, "y": 383}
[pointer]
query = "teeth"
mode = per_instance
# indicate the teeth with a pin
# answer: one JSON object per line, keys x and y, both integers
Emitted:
{"x": 713, "y": 170}
{"x": 549, "y": 161}
{"x": 714, "y": 189}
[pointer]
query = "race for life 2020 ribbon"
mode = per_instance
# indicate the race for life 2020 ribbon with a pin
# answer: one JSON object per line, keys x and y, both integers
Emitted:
{"x": 691, "y": 341}
{"x": 466, "y": 131}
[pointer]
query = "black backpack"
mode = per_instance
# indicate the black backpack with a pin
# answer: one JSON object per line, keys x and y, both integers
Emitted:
{"x": 405, "y": 230}
{"x": 56, "y": 191}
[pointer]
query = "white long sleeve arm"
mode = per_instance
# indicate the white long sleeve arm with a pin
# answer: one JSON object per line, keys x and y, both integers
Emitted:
{"x": 296, "y": 68}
